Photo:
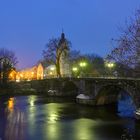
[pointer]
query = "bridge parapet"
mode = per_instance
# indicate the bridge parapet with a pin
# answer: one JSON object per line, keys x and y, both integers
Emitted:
{"x": 93, "y": 86}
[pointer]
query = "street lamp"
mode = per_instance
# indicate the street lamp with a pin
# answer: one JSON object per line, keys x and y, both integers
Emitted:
{"x": 52, "y": 70}
{"x": 75, "y": 70}
{"x": 110, "y": 65}
{"x": 82, "y": 65}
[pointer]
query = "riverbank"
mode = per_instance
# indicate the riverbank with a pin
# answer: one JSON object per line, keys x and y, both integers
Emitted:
{"x": 40, "y": 87}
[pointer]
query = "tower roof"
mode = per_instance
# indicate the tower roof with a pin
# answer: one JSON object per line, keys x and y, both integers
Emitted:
{"x": 62, "y": 39}
{"x": 62, "y": 35}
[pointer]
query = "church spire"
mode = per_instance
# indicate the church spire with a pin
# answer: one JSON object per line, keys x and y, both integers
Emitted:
{"x": 62, "y": 38}
{"x": 62, "y": 35}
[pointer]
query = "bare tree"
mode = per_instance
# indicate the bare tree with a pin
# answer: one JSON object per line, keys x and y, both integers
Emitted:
{"x": 127, "y": 46}
{"x": 8, "y": 62}
{"x": 74, "y": 55}
{"x": 54, "y": 49}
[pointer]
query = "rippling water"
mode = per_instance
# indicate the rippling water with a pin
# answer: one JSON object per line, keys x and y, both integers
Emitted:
{"x": 42, "y": 118}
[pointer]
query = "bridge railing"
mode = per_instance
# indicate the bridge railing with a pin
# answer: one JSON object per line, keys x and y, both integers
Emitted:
{"x": 94, "y": 76}
{"x": 84, "y": 76}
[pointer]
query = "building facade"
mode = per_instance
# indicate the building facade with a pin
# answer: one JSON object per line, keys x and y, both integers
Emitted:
{"x": 65, "y": 68}
{"x": 33, "y": 73}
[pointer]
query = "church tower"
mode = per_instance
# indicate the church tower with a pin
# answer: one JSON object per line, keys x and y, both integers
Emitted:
{"x": 64, "y": 59}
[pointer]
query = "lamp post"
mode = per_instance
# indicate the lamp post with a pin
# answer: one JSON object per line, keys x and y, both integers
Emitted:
{"x": 82, "y": 65}
{"x": 52, "y": 71}
{"x": 110, "y": 66}
{"x": 75, "y": 71}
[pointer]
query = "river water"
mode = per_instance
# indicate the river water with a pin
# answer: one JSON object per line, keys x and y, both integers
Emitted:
{"x": 42, "y": 118}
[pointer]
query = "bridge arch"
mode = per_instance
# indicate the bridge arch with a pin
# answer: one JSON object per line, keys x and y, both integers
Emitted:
{"x": 110, "y": 93}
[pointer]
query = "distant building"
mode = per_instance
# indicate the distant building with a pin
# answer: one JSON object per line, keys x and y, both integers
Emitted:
{"x": 65, "y": 69}
{"x": 50, "y": 71}
{"x": 34, "y": 73}
{"x": 41, "y": 71}
{"x": 12, "y": 75}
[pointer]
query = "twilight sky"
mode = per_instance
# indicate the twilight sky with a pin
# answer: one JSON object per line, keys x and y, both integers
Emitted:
{"x": 27, "y": 25}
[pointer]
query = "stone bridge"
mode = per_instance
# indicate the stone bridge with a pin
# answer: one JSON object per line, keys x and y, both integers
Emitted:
{"x": 106, "y": 90}
{"x": 101, "y": 90}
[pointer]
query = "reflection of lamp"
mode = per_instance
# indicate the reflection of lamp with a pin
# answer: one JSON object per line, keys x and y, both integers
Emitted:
{"x": 11, "y": 104}
{"x": 82, "y": 129}
{"x": 32, "y": 100}
{"x": 53, "y": 127}
{"x": 32, "y": 103}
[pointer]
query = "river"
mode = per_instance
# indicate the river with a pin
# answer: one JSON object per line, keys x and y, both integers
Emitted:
{"x": 42, "y": 118}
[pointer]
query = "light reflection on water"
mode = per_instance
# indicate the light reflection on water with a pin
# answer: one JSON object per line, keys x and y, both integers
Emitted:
{"x": 14, "y": 125}
{"x": 33, "y": 118}
{"x": 52, "y": 111}
{"x": 32, "y": 100}
{"x": 83, "y": 129}
{"x": 10, "y": 104}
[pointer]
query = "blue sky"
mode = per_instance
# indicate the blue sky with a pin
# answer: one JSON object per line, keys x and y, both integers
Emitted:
{"x": 27, "y": 25}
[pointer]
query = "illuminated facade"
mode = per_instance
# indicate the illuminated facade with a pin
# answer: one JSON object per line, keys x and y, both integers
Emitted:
{"x": 37, "y": 72}
{"x": 12, "y": 75}
{"x": 33, "y": 73}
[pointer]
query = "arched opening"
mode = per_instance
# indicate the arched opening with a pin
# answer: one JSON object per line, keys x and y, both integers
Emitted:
{"x": 119, "y": 97}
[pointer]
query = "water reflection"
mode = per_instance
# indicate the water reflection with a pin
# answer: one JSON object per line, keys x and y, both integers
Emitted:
{"x": 126, "y": 107}
{"x": 10, "y": 104}
{"x": 31, "y": 114}
{"x": 53, "y": 127}
{"x": 83, "y": 129}
{"x": 14, "y": 125}
{"x": 129, "y": 129}
{"x": 35, "y": 118}
{"x": 32, "y": 100}
{"x": 52, "y": 111}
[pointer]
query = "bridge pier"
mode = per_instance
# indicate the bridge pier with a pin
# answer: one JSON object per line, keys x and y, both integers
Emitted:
{"x": 86, "y": 92}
